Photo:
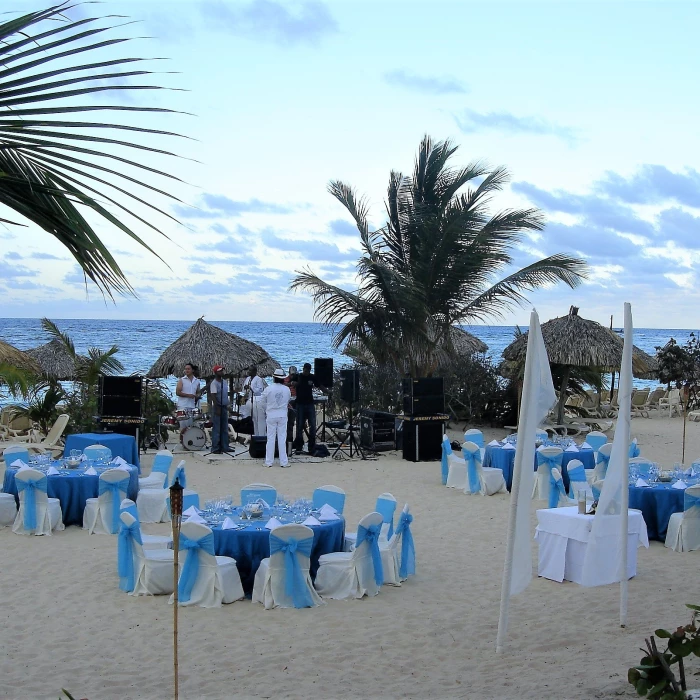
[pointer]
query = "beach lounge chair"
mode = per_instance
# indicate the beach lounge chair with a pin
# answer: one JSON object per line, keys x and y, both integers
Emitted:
{"x": 343, "y": 575}
{"x": 638, "y": 403}
{"x": 654, "y": 398}
{"x": 398, "y": 554}
{"x": 38, "y": 514}
{"x": 683, "y": 533}
{"x": 334, "y": 496}
{"x": 101, "y": 514}
{"x": 283, "y": 579}
{"x": 672, "y": 402}
{"x": 52, "y": 441}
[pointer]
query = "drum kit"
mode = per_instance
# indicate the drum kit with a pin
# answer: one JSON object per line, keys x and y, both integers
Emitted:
{"x": 194, "y": 438}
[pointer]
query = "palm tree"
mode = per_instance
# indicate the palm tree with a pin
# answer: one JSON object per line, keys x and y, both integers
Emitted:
{"x": 54, "y": 168}
{"x": 434, "y": 263}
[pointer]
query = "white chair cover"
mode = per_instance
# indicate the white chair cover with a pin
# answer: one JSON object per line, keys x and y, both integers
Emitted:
{"x": 205, "y": 579}
{"x": 159, "y": 471}
{"x": 596, "y": 439}
{"x": 8, "y": 509}
{"x": 101, "y": 514}
{"x": 151, "y": 502}
{"x": 557, "y": 493}
{"x": 147, "y": 541}
{"x": 151, "y": 571}
{"x": 486, "y": 481}
{"x": 577, "y": 479}
{"x": 270, "y": 587}
{"x": 353, "y": 574}
{"x": 399, "y": 548}
{"x": 456, "y": 472}
{"x": 47, "y": 514}
{"x": 15, "y": 452}
{"x": 683, "y": 533}
{"x": 97, "y": 451}
{"x": 550, "y": 457}
{"x": 602, "y": 459}
{"x": 474, "y": 435}
{"x": 385, "y": 505}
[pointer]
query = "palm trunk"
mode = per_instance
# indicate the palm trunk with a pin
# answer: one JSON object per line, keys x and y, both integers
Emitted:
{"x": 562, "y": 395}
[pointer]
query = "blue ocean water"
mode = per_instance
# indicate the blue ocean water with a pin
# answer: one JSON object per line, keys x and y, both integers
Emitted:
{"x": 141, "y": 342}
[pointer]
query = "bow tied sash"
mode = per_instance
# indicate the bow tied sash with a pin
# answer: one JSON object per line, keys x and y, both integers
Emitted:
{"x": 125, "y": 554}
{"x": 190, "y": 571}
{"x": 30, "y": 488}
{"x": 407, "y": 567}
{"x": 691, "y": 503}
{"x": 472, "y": 471}
{"x": 604, "y": 461}
{"x": 556, "y": 487}
{"x": 294, "y": 581}
{"x": 634, "y": 450}
{"x": 577, "y": 473}
{"x": 446, "y": 451}
{"x": 371, "y": 536}
{"x": 116, "y": 488}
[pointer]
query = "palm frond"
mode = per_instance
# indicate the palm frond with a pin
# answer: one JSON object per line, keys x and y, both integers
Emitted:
{"x": 57, "y": 334}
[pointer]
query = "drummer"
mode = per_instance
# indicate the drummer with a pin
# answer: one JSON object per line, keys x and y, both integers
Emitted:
{"x": 188, "y": 393}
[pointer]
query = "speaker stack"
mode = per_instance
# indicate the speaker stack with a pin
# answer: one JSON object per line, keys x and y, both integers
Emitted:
{"x": 323, "y": 371}
{"x": 423, "y": 420}
{"x": 119, "y": 405}
{"x": 350, "y": 385}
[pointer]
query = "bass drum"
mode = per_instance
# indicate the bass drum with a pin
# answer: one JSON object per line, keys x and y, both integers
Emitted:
{"x": 194, "y": 439}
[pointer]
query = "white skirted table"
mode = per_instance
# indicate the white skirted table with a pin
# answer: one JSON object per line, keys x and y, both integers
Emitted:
{"x": 562, "y": 535}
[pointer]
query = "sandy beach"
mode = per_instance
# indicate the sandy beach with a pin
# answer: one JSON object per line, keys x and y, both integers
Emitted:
{"x": 65, "y": 623}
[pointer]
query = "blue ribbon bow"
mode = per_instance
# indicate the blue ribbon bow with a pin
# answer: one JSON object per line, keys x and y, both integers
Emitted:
{"x": 190, "y": 571}
{"x": 407, "y": 567}
{"x": 605, "y": 461}
{"x": 472, "y": 473}
{"x": 116, "y": 488}
{"x": 180, "y": 476}
{"x": 294, "y": 583}
{"x": 577, "y": 475}
{"x": 446, "y": 450}
{"x": 556, "y": 486}
{"x": 476, "y": 438}
{"x": 690, "y": 501}
{"x": 125, "y": 554}
{"x": 371, "y": 535}
{"x": 30, "y": 487}
{"x": 634, "y": 450}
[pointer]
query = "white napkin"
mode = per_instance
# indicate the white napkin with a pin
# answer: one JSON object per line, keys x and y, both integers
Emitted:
{"x": 586, "y": 446}
{"x": 91, "y": 471}
{"x": 327, "y": 509}
{"x": 571, "y": 448}
{"x": 120, "y": 461}
{"x": 641, "y": 482}
{"x": 196, "y": 518}
{"x": 272, "y": 523}
{"x": 20, "y": 464}
{"x": 327, "y": 517}
{"x": 493, "y": 443}
{"x": 228, "y": 524}
{"x": 192, "y": 510}
{"x": 680, "y": 485}
{"x": 509, "y": 446}
{"x": 51, "y": 470}
{"x": 311, "y": 521}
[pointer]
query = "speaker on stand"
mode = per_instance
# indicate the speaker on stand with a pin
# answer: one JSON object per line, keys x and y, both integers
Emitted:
{"x": 350, "y": 394}
{"x": 323, "y": 374}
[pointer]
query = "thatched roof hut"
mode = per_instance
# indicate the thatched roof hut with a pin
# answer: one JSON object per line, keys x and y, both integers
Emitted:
{"x": 205, "y": 346}
{"x": 10, "y": 355}
{"x": 55, "y": 361}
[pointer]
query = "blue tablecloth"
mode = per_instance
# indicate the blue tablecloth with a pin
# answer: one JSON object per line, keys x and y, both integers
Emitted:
{"x": 657, "y": 503}
{"x": 250, "y": 546}
{"x": 72, "y": 488}
{"x": 123, "y": 446}
{"x": 496, "y": 456}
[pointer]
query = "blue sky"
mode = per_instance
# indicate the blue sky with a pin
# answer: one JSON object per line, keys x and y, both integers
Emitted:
{"x": 592, "y": 106}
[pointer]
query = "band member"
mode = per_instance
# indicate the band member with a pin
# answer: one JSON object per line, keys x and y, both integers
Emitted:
{"x": 291, "y": 378}
{"x": 218, "y": 398}
{"x": 306, "y": 410}
{"x": 275, "y": 401}
{"x": 253, "y": 388}
{"x": 188, "y": 392}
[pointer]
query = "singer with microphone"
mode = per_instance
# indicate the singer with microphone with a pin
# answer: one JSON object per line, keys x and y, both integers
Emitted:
{"x": 218, "y": 398}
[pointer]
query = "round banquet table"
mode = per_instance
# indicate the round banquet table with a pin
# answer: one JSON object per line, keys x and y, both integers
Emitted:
{"x": 496, "y": 456}
{"x": 657, "y": 503}
{"x": 73, "y": 487}
{"x": 123, "y": 446}
{"x": 251, "y": 545}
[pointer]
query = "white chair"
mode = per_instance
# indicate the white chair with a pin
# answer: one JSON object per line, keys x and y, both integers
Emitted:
{"x": 38, "y": 514}
{"x": 283, "y": 579}
{"x": 334, "y": 496}
{"x": 672, "y": 402}
{"x": 8, "y": 509}
{"x": 385, "y": 505}
{"x": 205, "y": 579}
{"x": 255, "y": 491}
{"x": 557, "y": 492}
{"x": 15, "y": 452}
{"x": 159, "y": 471}
{"x": 456, "y": 470}
{"x": 399, "y": 555}
{"x": 52, "y": 441}
{"x": 101, "y": 514}
{"x": 683, "y": 533}
{"x": 142, "y": 571}
{"x": 354, "y": 574}
{"x": 474, "y": 435}
{"x": 97, "y": 451}
{"x": 601, "y": 462}
{"x": 547, "y": 458}
{"x": 147, "y": 541}
{"x": 596, "y": 440}
{"x": 484, "y": 480}
{"x": 151, "y": 502}
{"x": 577, "y": 479}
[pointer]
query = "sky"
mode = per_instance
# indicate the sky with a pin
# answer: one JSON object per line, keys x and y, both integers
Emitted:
{"x": 591, "y": 106}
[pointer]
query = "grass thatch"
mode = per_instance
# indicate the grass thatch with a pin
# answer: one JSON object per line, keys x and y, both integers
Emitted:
{"x": 10, "y": 355}
{"x": 55, "y": 361}
{"x": 576, "y": 341}
{"x": 205, "y": 346}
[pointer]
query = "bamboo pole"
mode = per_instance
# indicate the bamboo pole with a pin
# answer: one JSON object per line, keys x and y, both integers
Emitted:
{"x": 176, "y": 546}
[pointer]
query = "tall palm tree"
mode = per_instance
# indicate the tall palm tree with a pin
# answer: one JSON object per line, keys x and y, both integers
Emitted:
{"x": 54, "y": 168}
{"x": 434, "y": 263}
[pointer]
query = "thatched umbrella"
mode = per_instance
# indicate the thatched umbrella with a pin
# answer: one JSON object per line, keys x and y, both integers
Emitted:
{"x": 55, "y": 361}
{"x": 10, "y": 355}
{"x": 206, "y": 345}
{"x": 574, "y": 341}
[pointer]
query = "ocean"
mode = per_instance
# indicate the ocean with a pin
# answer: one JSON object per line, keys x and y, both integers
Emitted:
{"x": 141, "y": 342}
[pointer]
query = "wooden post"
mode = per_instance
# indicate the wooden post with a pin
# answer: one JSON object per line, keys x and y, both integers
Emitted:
{"x": 176, "y": 520}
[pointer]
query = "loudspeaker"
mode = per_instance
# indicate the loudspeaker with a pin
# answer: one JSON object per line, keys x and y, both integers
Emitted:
{"x": 120, "y": 396}
{"x": 423, "y": 405}
{"x": 423, "y": 386}
{"x": 323, "y": 371}
{"x": 120, "y": 386}
{"x": 422, "y": 441}
{"x": 127, "y": 406}
{"x": 349, "y": 385}
{"x": 257, "y": 447}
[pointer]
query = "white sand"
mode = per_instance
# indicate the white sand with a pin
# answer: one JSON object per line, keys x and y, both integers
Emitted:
{"x": 65, "y": 623}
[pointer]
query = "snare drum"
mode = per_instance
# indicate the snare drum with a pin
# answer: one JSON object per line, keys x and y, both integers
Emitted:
{"x": 181, "y": 414}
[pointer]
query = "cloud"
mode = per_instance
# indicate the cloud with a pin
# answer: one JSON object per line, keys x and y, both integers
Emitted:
{"x": 12, "y": 271}
{"x": 276, "y": 22}
{"x": 341, "y": 227}
{"x": 427, "y": 85}
{"x": 471, "y": 121}
{"x": 230, "y": 244}
{"x": 13, "y": 255}
{"x": 310, "y": 250}
{"x": 217, "y": 206}
{"x": 45, "y": 256}
{"x": 591, "y": 241}
{"x": 679, "y": 226}
{"x": 208, "y": 288}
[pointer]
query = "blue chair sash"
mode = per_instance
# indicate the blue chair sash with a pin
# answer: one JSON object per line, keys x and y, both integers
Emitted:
{"x": 445, "y": 463}
{"x": 596, "y": 492}
{"x": 371, "y": 534}
{"x": 30, "y": 487}
{"x": 180, "y": 476}
{"x": 12, "y": 457}
{"x": 115, "y": 488}
{"x": 190, "y": 571}
{"x": 634, "y": 449}
{"x": 690, "y": 501}
{"x": 294, "y": 583}
{"x": 132, "y": 510}
{"x": 334, "y": 499}
{"x": 125, "y": 554}
{"x": 596, "y": 441}
{"x": 162, "y": 464}
{"x": 386, "y": 509}
{"x": 476, "y": 438}
{"x": 577, "y": 475}
{"x": 556, "y": 487}
{"x": 605, "y": 461}
{"x": 472, "y": 473}
{"x": 407, "y": 567}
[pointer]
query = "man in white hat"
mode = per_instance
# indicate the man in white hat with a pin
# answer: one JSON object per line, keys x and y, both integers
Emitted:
{"x": 275, "y": 401}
